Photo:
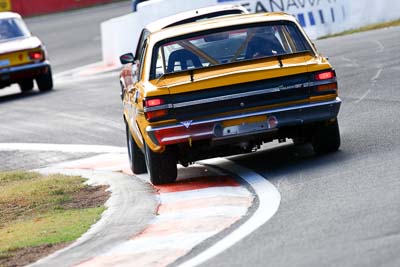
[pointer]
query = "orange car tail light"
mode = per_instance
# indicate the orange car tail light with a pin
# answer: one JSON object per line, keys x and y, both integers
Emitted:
{"x": 155, "y": 108}
{"x": 152, "y": 115}
{"x": 327, "y": 87}
{"x": 326, "y": 81}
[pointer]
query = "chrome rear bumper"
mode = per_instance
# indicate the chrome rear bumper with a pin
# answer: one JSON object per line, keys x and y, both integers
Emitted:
{"x": 214, "y": 129}
{"x": 26, "y": 71}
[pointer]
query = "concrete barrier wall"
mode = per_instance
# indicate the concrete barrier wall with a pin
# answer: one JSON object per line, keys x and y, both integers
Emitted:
{"x": 318, "y": 17}
{"x": 38, "y": 7}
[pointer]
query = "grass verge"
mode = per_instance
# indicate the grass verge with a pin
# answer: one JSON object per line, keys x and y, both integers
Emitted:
{"x": 365, "y": 28}
{"x": 42, "y": 211}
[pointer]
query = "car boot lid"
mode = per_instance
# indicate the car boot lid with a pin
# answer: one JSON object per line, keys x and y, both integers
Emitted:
{"x": 19, "y": 44}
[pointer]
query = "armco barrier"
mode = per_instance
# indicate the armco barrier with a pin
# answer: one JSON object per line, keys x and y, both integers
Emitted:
{"x": 38, "y": 7}
{"x": 318, "y": 17}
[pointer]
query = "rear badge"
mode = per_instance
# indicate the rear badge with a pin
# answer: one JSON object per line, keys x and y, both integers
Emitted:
{"x": 186, "y": 124}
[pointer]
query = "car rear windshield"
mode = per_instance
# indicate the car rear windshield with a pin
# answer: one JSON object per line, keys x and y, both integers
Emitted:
{"x": 226, "y": 45}
{"x": 12, "y": 28}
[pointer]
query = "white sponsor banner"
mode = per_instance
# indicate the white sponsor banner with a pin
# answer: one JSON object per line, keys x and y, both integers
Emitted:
{"x": 318, "y": 17}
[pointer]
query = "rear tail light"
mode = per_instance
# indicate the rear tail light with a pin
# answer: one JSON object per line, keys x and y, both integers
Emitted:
{"x": 36, "y": 55}
{"x": 155, "y": 108}
{"x": 327, "y": 87}
{"x": 154, "y": 102}
{"x": 326, "y": 81}
{"x": 152, "y": 115}
{"x": 326, "y": 75}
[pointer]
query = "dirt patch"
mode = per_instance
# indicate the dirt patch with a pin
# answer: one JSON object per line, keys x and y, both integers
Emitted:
{"x": 25, "y": 256}
{"x": 87, "y": 197}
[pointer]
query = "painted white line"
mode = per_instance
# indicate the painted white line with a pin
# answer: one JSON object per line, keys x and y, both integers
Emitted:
{"x": 377, "y": 75}
{"x": 73, "y": 72}
{"x": 351, "y": 62}
{"x": 115, "y": 161}
{"x": 269, "y": 200}
{"x": 373, "y": 80}
{"x": 363, "y": 96}
{"x": 61, "y": 148}
{"x": 88, "y": 77}
{"x": 381, "y": 47}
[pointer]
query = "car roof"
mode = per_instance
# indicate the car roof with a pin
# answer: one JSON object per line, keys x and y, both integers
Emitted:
{"x": 180, "y": 18}
{"x": 9, "y": 15}
{"x": 220, "y": 22}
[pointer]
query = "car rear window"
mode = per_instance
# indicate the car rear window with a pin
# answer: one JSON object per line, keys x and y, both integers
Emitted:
{"x": 226, "y": 45}
{"x": 12, "y": 28}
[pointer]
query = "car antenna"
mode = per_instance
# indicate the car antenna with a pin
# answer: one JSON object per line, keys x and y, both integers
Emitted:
{"x": 159, "y": 78}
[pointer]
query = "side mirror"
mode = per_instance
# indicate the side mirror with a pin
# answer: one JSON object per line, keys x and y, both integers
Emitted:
{"x": 127, "y": 58}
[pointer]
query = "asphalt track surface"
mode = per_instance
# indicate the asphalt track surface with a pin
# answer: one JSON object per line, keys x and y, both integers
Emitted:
{"x": 341, "y": 209}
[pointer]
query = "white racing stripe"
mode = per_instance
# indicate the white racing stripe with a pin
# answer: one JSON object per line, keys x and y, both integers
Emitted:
{"x": 90, "y": 69}
{"x": 269, "y": 200}
{"x": 61, "y": 148}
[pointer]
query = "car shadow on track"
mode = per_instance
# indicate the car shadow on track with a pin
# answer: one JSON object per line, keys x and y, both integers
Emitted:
{"x": 20, "y": 96}
{"x": 289, "y": 160}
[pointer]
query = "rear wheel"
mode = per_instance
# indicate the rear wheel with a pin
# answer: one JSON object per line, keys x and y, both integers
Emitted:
{"x": 326, "y": 137}
{"x": 136, "y": 158}
{"x": 26, "y": 85}
{"x": 162, "y": 166}
{"x": 299, "y": 141}
{"x": 45, "y": 81}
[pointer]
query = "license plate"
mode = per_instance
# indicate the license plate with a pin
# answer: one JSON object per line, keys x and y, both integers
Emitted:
{"x": 4, "y": 63}
{"x": 262, "y": 118}
{"x": 243, "y": 126}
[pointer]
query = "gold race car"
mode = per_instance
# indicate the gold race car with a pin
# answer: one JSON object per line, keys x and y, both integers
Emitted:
{"x": 224, "y": 86}
{"x": 23, "y": 57}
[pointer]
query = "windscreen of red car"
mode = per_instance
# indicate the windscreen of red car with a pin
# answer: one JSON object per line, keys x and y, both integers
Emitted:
{"x": 226, "y": 45}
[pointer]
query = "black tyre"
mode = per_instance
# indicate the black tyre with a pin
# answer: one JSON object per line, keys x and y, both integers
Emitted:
{"x": 45, "y": 81}
{"x": 26, "y": 85}
{"x": 136, "y": 158}
{"x": 299, "y": 141}
{"x": 162, "y": 167}
{"x": 326, "y": 138}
